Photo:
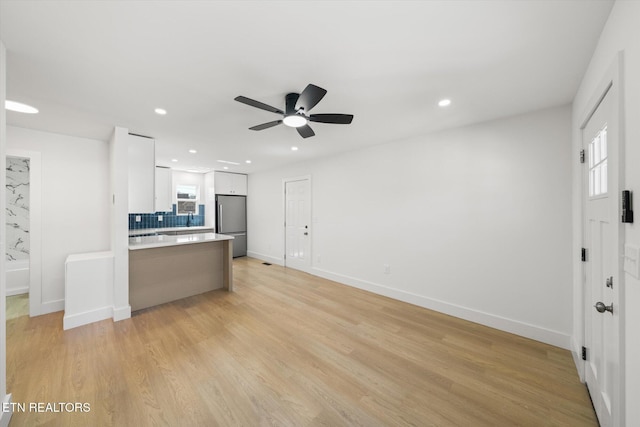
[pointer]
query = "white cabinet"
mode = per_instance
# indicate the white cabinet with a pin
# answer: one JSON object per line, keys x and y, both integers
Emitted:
{"x": 163, "y": 189}
{"x": 142, "y": 171}
{"x": 230, "y": 183}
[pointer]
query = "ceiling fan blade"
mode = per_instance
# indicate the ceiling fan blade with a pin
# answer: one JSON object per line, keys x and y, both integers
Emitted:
{"x": 309, "y": 97}
{"x": 305, "y": 131}
{"x": 258, "y": 104}
{"x": 342, "y": 119}
{"x": 266, "y": 125}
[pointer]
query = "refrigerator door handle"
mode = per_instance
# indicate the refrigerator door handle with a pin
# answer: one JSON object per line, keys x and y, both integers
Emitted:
{"x": 219, "y": 218}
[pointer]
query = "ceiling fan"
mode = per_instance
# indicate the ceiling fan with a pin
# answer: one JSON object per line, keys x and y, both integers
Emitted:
{"x": 297, "y": 107}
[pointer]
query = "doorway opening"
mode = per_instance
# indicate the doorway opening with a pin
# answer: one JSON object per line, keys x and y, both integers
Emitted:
{"x": 17, "y": 236}
{"x": 23, "y": 233}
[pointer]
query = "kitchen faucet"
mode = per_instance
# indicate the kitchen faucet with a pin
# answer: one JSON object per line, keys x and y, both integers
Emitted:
{"x": 189, "y": 219}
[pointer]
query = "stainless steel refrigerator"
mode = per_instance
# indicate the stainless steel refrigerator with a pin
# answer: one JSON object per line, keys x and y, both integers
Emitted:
{"x": 231, "y": 219}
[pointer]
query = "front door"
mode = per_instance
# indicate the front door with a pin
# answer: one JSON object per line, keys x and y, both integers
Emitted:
{"x": 602, "y": 272}
{"x": 297, "y": 223}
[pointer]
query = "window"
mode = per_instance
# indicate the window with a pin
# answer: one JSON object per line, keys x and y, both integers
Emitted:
{"x": 598, "y": 164}
{"x": 187, "y": 197}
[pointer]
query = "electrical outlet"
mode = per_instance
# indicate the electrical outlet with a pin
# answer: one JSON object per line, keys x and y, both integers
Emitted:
{"x": 138, "y": 218}
{"x": 386, "y": 269}
{"x": 159, "y": 218}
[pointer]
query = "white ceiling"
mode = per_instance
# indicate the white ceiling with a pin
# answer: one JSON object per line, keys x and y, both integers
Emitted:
{"x": 90, "y": 65}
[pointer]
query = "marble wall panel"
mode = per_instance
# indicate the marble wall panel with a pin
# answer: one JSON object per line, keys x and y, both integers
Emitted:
{"x": 17, "y": 211}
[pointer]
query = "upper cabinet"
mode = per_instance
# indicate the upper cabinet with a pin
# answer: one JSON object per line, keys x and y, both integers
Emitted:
{"x": 164, "y": 202}
{"x": 230, "y": 183}
{"x": 142, "y": 171}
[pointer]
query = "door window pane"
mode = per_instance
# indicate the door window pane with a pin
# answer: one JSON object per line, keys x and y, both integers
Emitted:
{"x": 598, "y": 184}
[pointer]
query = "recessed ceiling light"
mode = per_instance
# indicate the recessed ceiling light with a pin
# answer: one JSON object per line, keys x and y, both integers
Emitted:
{"x": 294, "y": 148}
{"x": 19, "y": 107}
{"x": 444, "y": 102}
{"x": 226, "y": 167}
{"x": 247, "y": 161}
{"x": 294, "y": 121}
{"x": 160, "y": 111}
{"x": 174, "y": 160}
{"x": 192, "y": 151}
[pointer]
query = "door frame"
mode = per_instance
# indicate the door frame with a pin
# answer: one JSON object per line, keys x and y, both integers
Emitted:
{"x": 612, "y": 85}
{"x": 284, "y": 218}
{"x": 36, "y": 307}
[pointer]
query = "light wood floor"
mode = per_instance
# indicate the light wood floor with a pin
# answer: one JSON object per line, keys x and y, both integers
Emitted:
{"x": 290, "y": 349}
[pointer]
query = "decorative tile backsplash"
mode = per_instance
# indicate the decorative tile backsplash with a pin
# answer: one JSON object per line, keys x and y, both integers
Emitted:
{"x": 169, "y": 219}
{"x": 17, "y": 210}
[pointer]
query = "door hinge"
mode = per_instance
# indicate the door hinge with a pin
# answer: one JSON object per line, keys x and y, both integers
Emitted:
{"x": 582, "y": 155}
{"x": 583, "y": 255}
{"x": 584, "y": 353}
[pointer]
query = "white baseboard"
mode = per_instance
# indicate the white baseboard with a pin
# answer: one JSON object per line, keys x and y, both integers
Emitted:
{"x": 5, "y": 417}
{"x": 121, "y": 313}
{"x": 75, "y": 320}
{"x": 266, "y": 258}
{"x": 51, "y": 306}
{"x": 576, "y": 352}
{"x": 526, "y": 330}
{"x": 17, "y": 291}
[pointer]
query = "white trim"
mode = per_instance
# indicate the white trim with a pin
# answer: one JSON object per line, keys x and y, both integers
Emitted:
{"x": 526, "y": 330}
{"x": 121, "y": 313}
{"x": 266, "y": 258}
{"x": 18, "y": 291}
{"x": 51, "y": 306}
{"x": 5, "y": 417}
{"x": 36, "y": 305}
{"x": 576, "y": 352}
{"x": 80, "y": 319}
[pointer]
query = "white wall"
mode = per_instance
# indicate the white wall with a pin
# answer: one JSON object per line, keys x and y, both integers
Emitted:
{"x": 621, "y": 33}
{"x": 75, "y": 201}
{"x": 209, "y": 202}
{"x": 475, "y": 222}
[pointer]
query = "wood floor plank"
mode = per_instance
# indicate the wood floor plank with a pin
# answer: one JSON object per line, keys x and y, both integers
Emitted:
{"x": 290, "y": 349}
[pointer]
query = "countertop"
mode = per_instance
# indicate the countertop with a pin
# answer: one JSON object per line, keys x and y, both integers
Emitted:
{"x": 148, "y": 242}
{"x": 141, "y": 231}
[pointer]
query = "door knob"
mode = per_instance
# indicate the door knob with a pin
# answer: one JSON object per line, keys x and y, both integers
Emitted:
{"x": 601, "y": 308}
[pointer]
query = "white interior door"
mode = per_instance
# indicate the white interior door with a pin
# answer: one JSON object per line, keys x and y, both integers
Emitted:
{"x": 602, "y": 271}
{"x": 297, "y": 223}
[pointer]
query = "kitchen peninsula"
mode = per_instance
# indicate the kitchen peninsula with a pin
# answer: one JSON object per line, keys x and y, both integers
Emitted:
{"x": 164, "y": 268}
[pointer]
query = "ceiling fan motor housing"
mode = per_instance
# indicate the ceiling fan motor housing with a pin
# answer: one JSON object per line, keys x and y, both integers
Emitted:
{"x": 290, "y": 103}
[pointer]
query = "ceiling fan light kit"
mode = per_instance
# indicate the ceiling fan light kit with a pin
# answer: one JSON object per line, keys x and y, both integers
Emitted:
{"x": 294, "y": 121}
{"x": 296, "y": 107}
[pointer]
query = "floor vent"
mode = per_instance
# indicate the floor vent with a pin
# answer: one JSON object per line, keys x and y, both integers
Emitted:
{"x": 266, "y": 263}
